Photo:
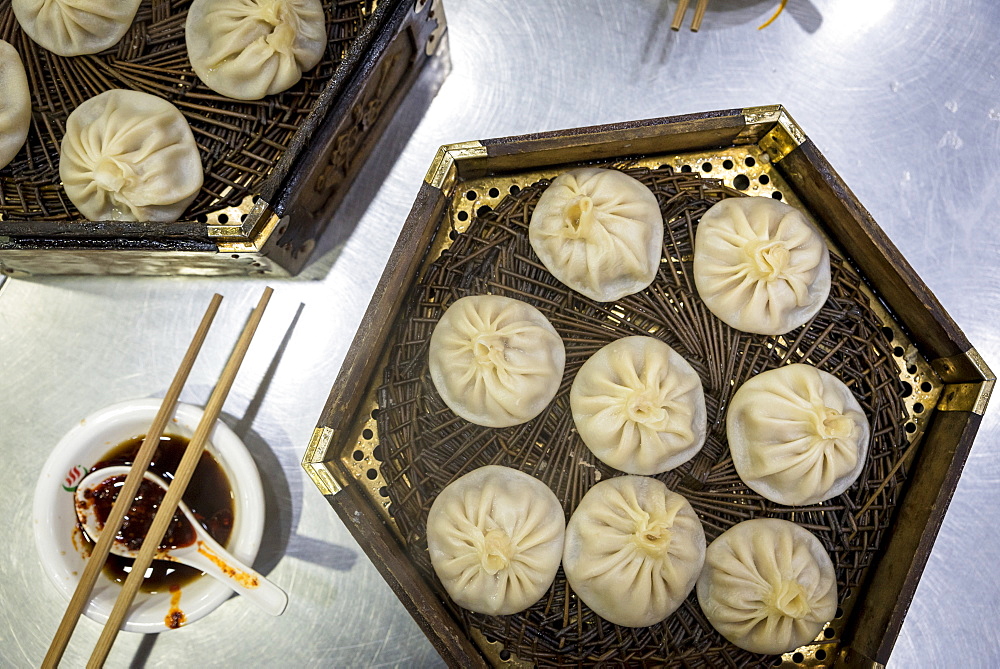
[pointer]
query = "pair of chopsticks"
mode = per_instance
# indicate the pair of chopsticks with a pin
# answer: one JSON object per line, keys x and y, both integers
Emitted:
{"x": 170, "y": 500}
{"x": 699, "y": 15}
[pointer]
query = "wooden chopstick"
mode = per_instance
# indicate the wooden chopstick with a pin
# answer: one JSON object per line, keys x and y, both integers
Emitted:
{"x": 699, "y": 14}
{"x": 99, "y": 554}
{"x": 182, "y": 477}
{"x": 682, "y": 7}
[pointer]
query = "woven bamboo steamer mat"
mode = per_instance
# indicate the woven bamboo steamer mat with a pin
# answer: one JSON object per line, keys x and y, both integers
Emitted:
{"x": 424, "y": 446}
{"x": 239, "y": 141}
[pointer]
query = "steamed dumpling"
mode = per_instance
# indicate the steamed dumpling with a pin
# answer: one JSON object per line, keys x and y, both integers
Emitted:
{"x": 634, "y": 550}
{"x": 598, "y": 231}
{"x": 760, "y": 266}
{"x": 797, "y": 434}
{"x": 15, "y": 104}
{"x": 495, "y": 538}
{"x": 129, "y": 156}
{"x": 768, "y": 586}
{"x": 495, "y": 361}
{"x": 246, "y": 49}
{"x": 75, "y": 27}
{"x": 639, "y": 406}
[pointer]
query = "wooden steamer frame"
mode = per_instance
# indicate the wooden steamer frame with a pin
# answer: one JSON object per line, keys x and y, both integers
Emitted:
{"x": 949, "y": 375}
{"x": 274, "y": 231}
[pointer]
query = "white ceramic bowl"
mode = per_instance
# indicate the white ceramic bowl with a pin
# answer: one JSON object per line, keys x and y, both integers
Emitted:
{"x": 55, "y": 517}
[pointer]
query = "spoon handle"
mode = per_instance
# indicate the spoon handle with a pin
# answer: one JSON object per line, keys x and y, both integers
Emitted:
{"x": 208, "y": 556}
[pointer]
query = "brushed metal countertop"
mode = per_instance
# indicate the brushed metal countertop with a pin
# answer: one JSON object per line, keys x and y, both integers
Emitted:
{"x": 902, "y": 98}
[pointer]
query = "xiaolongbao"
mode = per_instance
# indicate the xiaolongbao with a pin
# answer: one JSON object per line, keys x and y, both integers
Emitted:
{"x": 495, "y": 538}
{"x": 15, "y": 104}
{"x": 598, "y": 231}
{"x": 768, "y": 586}
{"x": 495, "y": 361}
{"x": 75, "y": 27}
{"x": 639, "y": 406}
{"x": 129, "y": 156}
{"x": 634, "y": 550}
{"x": 246, "y": 49}
{"x": 760, "y": 266}
{"x": 797, "y": 435}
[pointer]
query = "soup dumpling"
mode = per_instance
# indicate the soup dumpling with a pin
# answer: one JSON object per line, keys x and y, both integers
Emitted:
{"x": 797, "y": 435}
{"x": 495, "y": 538}
{"x": 768, "y": 586}
{"x": 639, "y": 406}
{"x": 760, "y": 266}
{"x": 15, "y": 104}
{"x": 248, "y": 49}
{"x": 129, "y": 156}
{"x": 75, "y": 27}
{"x": 495, "y": 361}
{"x": 633, "y": 550}
{"x": 598, "y": 231}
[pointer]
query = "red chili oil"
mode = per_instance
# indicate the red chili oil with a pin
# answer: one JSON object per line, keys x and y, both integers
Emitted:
{"x": 209, "y": 496}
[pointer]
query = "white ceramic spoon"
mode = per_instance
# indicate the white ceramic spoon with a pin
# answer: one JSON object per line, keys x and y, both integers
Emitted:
{"x": 204, "y": 554}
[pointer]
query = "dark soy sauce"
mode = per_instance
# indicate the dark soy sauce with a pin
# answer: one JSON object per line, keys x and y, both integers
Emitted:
{"x": 209, "y": 496}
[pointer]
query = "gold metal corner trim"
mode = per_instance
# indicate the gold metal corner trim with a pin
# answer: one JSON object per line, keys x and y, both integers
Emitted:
{"x": 261, "y": 235}
{"x": 315, "y": 464}
{"x": 443, "y": 163}
{"x": 792, "y": 128}
{"x": 252, "y": 241}
{"x": 248, "y": 223}
{"x": 225, "y": 232}
{"x": 763, "y": 114}
{"x": 965, "y": 396}
{"x": 783, "y": 138}
{"x": 443, "y": 168}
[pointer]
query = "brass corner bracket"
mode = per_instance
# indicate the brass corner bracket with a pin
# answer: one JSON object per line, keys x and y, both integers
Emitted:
{"x": 960, "y": 393}
{"x": 784, "y": 137}
{"x": 315, "y": 463}
{"x": 444, "y": 168}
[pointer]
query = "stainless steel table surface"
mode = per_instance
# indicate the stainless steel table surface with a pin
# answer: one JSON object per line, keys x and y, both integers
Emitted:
{"x": 902, "y": 97}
